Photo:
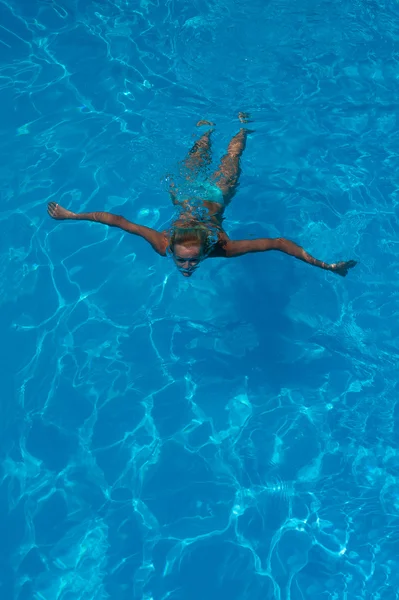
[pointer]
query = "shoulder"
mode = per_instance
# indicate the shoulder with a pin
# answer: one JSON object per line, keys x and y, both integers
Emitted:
{"x": 228, "y": 248}
{"x": 158, "y": 240}
{"x": 163, "y": 242}
{"x": 219, "y": 249}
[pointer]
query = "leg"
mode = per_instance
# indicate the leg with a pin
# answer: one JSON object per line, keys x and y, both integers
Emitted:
{"x": 229, "y": 171}
{"x": 199, "y": 156}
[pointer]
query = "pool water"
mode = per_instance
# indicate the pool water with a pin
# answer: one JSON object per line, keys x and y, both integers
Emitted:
{"x": 233, "y": 435}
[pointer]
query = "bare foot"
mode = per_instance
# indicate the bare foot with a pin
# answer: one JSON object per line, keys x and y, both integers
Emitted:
{"x": 244, "y": 117}
{"x": 209, "y": 123}
{"x": 58, "y": 212}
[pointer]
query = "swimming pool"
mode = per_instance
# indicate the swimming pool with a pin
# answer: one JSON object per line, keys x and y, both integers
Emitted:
{"x": 230, "y": 436}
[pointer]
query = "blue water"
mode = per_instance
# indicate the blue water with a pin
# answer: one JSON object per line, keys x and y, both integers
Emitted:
{"x": 231, "y": 436}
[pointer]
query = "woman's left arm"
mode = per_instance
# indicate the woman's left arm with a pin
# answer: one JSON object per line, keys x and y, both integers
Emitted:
{"x": 234, "y": 248}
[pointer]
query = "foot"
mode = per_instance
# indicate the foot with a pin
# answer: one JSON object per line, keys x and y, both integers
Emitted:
{"x": 244, "y": 117}
{"x": 342, "y": 268}
{"x": 58, "y": 212}
{"x": 203, "y": 122}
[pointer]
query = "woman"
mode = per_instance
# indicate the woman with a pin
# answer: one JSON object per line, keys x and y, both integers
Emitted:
{"x": 197, "y": 232}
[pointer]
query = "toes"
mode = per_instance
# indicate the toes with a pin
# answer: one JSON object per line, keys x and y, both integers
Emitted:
{"x": 205, "y": 122}
{"x": 244, "y": 117}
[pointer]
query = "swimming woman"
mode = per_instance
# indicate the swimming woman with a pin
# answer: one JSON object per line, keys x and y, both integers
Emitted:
{"x": 197, "y": 232}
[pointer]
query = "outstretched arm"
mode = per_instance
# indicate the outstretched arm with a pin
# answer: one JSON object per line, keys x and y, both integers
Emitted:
{"x": 237, "y": 248}
{"x": 155, "y": 238}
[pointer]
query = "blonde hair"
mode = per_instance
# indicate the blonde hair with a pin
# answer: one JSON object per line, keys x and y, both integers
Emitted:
{"x": 197, "y": 235}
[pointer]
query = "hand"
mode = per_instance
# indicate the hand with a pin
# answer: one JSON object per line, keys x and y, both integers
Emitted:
{"x": 342, "y": 268}
{"x": 58, "y": 212}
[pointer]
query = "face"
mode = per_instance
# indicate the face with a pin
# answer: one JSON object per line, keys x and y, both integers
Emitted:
{"x": 187, "y": 258}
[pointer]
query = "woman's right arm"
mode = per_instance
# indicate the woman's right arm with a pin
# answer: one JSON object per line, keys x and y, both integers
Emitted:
{"x": 156, "y": 239}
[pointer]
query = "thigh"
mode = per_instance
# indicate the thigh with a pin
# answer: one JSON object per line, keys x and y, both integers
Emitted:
{"x": 227, "y": 176}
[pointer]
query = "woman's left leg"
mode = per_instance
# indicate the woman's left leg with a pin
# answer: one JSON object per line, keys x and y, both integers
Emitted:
{"x": 199, "y": 156}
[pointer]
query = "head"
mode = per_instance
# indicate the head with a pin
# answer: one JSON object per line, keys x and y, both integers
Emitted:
{"x": 189, "y": 246}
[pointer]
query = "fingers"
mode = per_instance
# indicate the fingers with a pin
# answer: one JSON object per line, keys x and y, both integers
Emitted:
{"x": 345, "y": 266}
{"x": 351, "y": 263}
{"x": 341, "y": 268}
{"x": 52, "y": 208}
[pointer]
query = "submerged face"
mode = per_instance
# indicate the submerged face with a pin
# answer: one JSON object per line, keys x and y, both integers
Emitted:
{"x": 187, "y": 258}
